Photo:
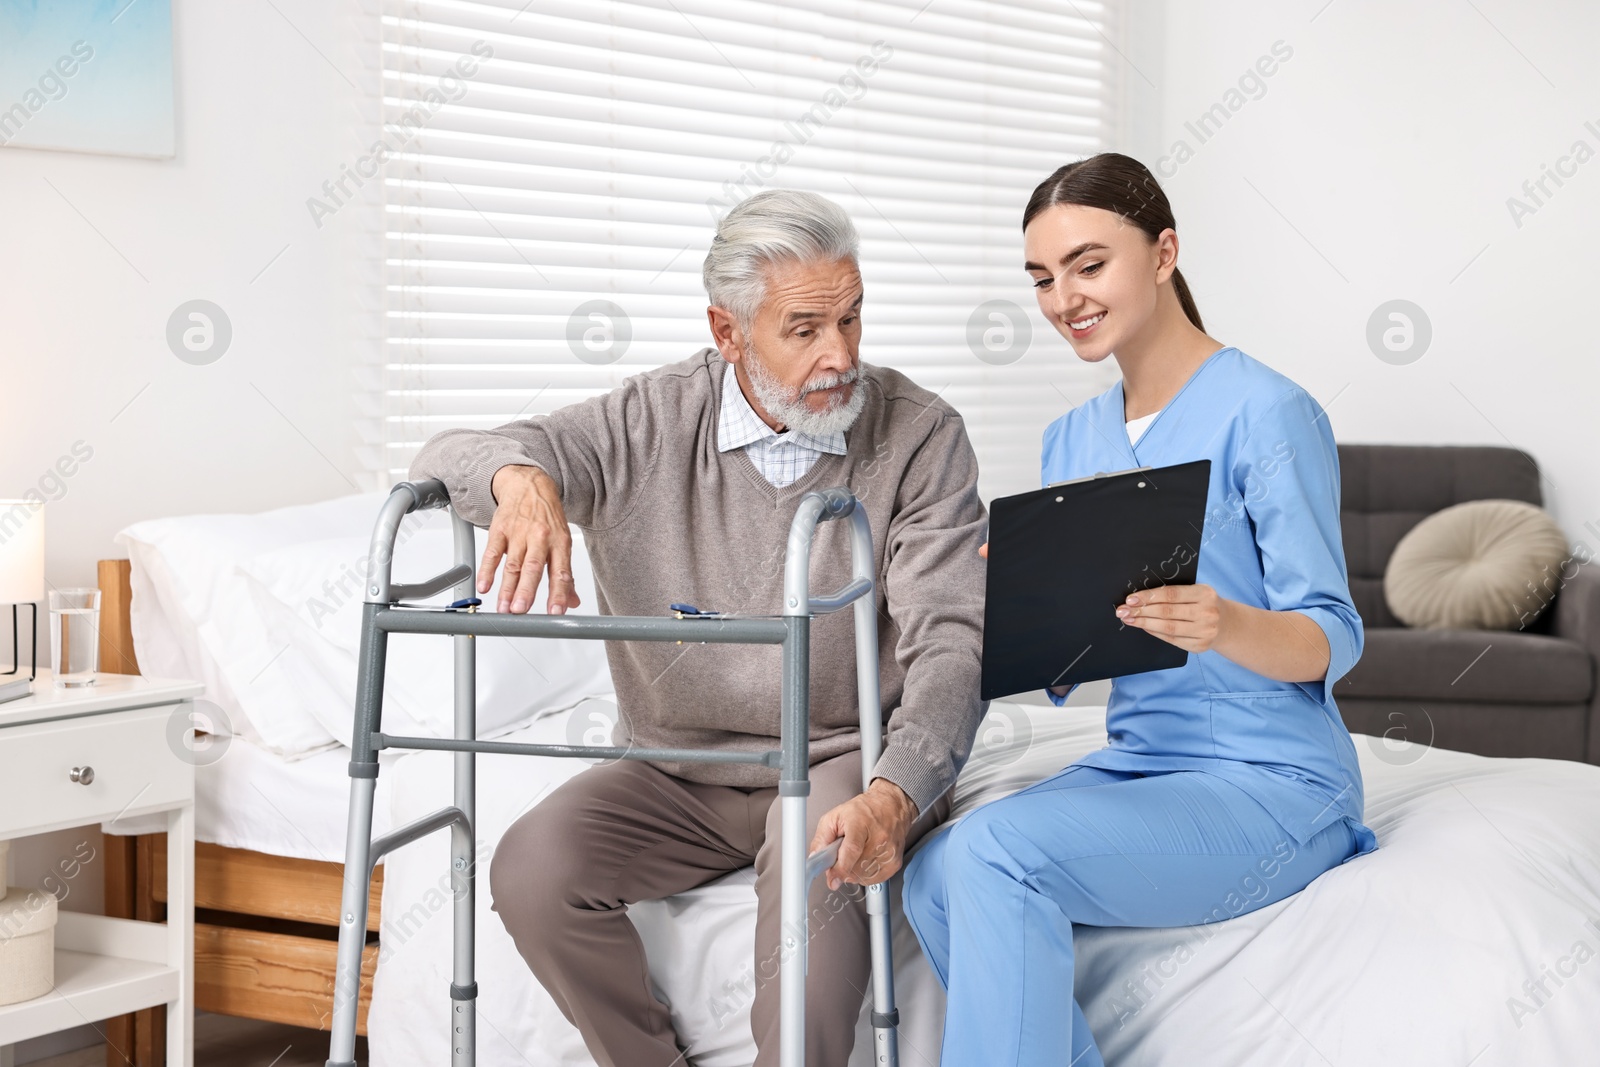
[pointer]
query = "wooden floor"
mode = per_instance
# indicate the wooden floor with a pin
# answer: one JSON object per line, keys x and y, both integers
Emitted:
{"x": 223, "y": 1041}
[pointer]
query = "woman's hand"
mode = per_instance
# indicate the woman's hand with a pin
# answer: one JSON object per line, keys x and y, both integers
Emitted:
{"x": 1189, "y": 616}
{"x": 983, "y": 550}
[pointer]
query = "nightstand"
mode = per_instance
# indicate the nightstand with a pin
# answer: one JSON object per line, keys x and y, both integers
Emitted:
{"x": 76, "y": 757}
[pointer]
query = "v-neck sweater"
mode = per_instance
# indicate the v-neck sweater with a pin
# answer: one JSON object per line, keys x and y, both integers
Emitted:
{"x": 669, "y": 518}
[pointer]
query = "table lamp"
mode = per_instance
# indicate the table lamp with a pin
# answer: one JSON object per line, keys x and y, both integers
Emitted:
{"x": 21, "y": 576}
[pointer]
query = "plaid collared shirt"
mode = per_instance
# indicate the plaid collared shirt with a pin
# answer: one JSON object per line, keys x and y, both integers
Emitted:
{"x": 782, "y": 458}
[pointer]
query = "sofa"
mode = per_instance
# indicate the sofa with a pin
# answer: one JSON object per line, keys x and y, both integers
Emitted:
{"x": 1529, "y": 692}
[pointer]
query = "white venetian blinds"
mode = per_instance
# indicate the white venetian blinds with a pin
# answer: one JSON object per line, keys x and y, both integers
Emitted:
{"x": 554, "y": 170}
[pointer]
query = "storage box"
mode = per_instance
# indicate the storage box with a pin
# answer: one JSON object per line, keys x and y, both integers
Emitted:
{"x": 27, "y": 945}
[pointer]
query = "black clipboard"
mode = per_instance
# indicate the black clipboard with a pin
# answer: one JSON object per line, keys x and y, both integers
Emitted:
{"x": 1063, "y": 557}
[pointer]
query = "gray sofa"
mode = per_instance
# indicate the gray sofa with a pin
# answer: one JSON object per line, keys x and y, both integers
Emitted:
{"x": 1498, "y": 693}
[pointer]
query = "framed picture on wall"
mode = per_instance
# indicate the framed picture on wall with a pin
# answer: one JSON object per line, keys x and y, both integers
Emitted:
{"x": 87, "y": 76}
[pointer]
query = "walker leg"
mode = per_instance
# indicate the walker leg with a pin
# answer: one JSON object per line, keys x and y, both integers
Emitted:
{"x": 352, "y": 922}
{"x": 463, "y": 847}
{"x": 793, "y": 786}
{"x": 358, "y": 842}
{"x": 792, "y": 1019}
{"x": 463, "y": 987}
{"x": 885, "y": 1017}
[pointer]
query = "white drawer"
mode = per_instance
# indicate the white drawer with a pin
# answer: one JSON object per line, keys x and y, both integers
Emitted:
{"x": 134, "y": 768}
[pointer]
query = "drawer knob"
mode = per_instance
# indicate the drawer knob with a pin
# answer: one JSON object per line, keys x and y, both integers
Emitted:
{"x": 83, "y": 775}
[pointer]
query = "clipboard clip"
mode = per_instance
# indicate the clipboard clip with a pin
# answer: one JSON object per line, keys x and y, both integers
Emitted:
{"x": 1098, "y": 475}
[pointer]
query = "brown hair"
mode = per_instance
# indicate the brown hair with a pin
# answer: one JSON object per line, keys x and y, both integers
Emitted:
{"x": 1115, "y": 182}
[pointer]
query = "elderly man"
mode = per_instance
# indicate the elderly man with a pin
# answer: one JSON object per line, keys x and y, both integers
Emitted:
{"x": 684, "y": 480}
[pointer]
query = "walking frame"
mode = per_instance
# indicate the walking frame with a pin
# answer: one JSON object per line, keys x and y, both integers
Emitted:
{"x": 387, "y": 611}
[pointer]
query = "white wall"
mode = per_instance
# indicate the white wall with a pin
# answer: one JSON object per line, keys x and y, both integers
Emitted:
{"x": 99, "y": 250}
{"x": 1391, "y": 140}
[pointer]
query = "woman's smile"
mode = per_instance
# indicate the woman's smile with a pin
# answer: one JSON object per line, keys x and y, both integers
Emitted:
{"x": 1083, "y": 327}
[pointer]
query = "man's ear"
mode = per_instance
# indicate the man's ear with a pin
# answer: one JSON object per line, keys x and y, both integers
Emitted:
{"x": 725, "y": 333}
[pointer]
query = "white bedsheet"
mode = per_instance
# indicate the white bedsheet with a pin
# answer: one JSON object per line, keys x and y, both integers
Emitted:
{"x": 251, "y": 798}
{"x": 1487, "y": 876}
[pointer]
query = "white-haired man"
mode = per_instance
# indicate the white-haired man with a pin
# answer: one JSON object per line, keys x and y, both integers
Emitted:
{"x": 684, "y": 480}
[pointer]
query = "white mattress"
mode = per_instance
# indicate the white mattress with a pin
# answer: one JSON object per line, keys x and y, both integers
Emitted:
{"x": 1487, "y": 872}
{"x": 250, "y": 798}
{"x": 253, "y": 799}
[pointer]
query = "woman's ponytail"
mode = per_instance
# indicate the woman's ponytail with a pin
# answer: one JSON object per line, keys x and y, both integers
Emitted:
{"x": 1181, "y": 287}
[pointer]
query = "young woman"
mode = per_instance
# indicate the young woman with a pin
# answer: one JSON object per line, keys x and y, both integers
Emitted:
{"x": 1228, "y": 783}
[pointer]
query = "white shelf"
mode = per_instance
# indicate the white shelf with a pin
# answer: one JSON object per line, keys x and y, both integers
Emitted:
{"x": 88, "y": 988}
{"x": 104, "y": 967}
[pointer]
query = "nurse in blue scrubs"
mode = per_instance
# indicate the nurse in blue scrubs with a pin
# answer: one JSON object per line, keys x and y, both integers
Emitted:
{"x": 1226, "y": 784}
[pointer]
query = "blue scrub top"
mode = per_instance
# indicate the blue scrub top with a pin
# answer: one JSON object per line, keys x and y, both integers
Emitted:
{"x": 1271, "y": 540}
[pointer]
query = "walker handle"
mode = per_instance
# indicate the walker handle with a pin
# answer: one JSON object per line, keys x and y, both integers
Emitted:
{"x": 427, "y": 494}
{"x": 821, "y": 860}
{"x": 404, "y": 498}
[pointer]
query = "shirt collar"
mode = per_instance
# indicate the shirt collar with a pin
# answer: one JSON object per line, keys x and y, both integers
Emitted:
{"x": 738, "y": 424}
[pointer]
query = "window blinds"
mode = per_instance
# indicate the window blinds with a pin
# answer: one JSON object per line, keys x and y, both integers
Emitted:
{"x": 553, "y": 172}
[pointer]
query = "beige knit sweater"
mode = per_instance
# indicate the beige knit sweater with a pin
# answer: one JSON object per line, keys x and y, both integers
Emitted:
{"x": 669, "y": 518}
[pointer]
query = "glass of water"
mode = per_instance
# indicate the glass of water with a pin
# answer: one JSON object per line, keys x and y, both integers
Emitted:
{"x": 74, "y": 635}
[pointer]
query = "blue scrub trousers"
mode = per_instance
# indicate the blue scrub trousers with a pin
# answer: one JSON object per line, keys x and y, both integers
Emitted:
{"x": 993, "y": 899}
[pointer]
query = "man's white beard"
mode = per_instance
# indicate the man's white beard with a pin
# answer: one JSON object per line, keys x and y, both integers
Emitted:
{"x": 789, "y": 406}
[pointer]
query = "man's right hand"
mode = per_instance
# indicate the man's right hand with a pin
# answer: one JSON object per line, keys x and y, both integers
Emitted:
{"x": 529, "y": 530}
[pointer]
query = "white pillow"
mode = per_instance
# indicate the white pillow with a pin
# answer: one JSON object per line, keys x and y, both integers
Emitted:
{"x": 310, "y": 595}
{"x": 192, "y": 614}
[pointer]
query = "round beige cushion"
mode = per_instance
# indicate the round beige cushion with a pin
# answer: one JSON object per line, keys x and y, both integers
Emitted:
{"x": 1482, "y": 565}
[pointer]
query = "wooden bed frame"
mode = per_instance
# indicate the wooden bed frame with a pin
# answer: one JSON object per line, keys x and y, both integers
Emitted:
{"x": 266, "y": 927}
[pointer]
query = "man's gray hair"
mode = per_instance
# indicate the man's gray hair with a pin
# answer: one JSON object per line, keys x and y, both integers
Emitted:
{"x": 772, "y": 226}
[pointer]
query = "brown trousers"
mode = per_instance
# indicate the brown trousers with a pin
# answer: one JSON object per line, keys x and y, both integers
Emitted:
{"x": 565, "y": 872}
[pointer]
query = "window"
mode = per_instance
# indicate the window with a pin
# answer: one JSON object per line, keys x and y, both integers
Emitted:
{"x": 554, "y": 171}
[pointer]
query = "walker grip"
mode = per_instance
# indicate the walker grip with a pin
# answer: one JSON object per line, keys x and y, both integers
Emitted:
{"x": 821, "y": 860}
{"x": 428, "y": 493}
{"x": 838, "y": 503}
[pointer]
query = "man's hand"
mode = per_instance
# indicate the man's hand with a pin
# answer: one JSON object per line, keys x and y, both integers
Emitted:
{"x": 529, "y": 530}
{"x": 874, "y": 825}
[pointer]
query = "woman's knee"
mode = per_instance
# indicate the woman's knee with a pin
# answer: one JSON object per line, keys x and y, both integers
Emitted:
{"x": 922, "y": 888}
{"x": 985, "y": 839}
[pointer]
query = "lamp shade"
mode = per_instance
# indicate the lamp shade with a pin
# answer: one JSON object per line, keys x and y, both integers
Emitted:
{"x": 21, "y": 551}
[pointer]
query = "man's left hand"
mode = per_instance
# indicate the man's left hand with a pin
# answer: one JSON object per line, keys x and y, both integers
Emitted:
{"x": 874, "y": 825}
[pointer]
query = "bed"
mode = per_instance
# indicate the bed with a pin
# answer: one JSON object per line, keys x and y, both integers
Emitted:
{"x": 1487, "y": 875}
{"x": 1468, "y": 937}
